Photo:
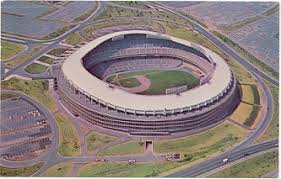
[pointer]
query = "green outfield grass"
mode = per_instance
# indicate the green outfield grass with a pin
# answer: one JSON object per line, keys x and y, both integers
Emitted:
{"x": 17, "y": 172}
{"x": 45, "y": 59}
{"x": 69, "y": 143}
{"x": 37, "y": 89}
{"x": 127, "y": 148}
{"x": 96, "y": 139}
{"x": 168, "y": 79}
{"x": 254, "y": 167}
{"x": 35, "y": 68}
{"x": 58, "y": 170}
{"x": 9, "y": 49}
{"x": 129, "y": 82}
{"x": 160, "y": 80}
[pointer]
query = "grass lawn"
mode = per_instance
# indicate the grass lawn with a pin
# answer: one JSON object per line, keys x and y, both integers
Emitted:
{"x": 212, "y": 141}
{"x": 129, "y": 82}
{"x": 168, "y": 79}
{"x": 58, "y": 170}
{"x": 23, "y": 58}
{"x": 247, "y": 95}
{"x": 35, "y": 68}
{"x": 127, "y": 148}
{"x": 37, "y": 89}
{"x": 16, "y": 172}
{"x": 240, "y": 24}
{"x": 96, "y": 139}
{"x": 254, "y": 167}
{"x": 74, "y": 39}
{"x": 9, "y": 49}
{"x": 57, "y": 51}
{"x": 69, "y": 143}
{"x": 45, "y": 59}
{"x": 112, "y": 169}
{"x": 272, "y": 131}
{"x": 242, "y": 112}
{"x": 4, "y": 96}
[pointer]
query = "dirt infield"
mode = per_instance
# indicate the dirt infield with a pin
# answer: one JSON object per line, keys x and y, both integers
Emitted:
{"x": 145, "y": 84}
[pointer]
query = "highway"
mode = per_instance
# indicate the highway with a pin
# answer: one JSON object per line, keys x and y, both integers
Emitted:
{"x": 232, "y": 156}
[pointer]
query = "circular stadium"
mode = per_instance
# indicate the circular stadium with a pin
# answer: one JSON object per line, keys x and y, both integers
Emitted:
{"x": 147, "y": 84}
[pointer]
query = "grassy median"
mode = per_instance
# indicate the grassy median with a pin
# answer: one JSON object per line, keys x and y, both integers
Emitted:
{"x": 69, "y": 143}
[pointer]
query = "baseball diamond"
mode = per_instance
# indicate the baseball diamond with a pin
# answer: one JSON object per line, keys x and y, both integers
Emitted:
{"x": 100, "y": 92}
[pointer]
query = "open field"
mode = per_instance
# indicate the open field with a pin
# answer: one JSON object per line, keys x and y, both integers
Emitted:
{"x": 35, "y": 68}
{"x": 17, "y": 172}
{"x": 9, "y": 49}
{"x": 214, "y": 140}
{"x": 254, "y": 167}
{"x": 242, "y": 112}
{"x": 37, "y": 89}
{"x": 96, "y": 139}
{"x": 74, "y": 39}
{"x": 111, "y": 169}
{"x": 272, "y": 131}
{"x": 58, "y": 170}
{"x": 45, "y": 59}
{"x": 69, "y": 143}
{"x": 23, "y": 58}
{"x": 127, "y": 148}
{"x": 261, "y": 65}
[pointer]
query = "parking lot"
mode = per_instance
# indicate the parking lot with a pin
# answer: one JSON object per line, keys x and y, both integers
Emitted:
{"x": 24, "y": 131}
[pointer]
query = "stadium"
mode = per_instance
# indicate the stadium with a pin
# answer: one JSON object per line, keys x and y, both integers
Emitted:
{"x": 147, "y": 84}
